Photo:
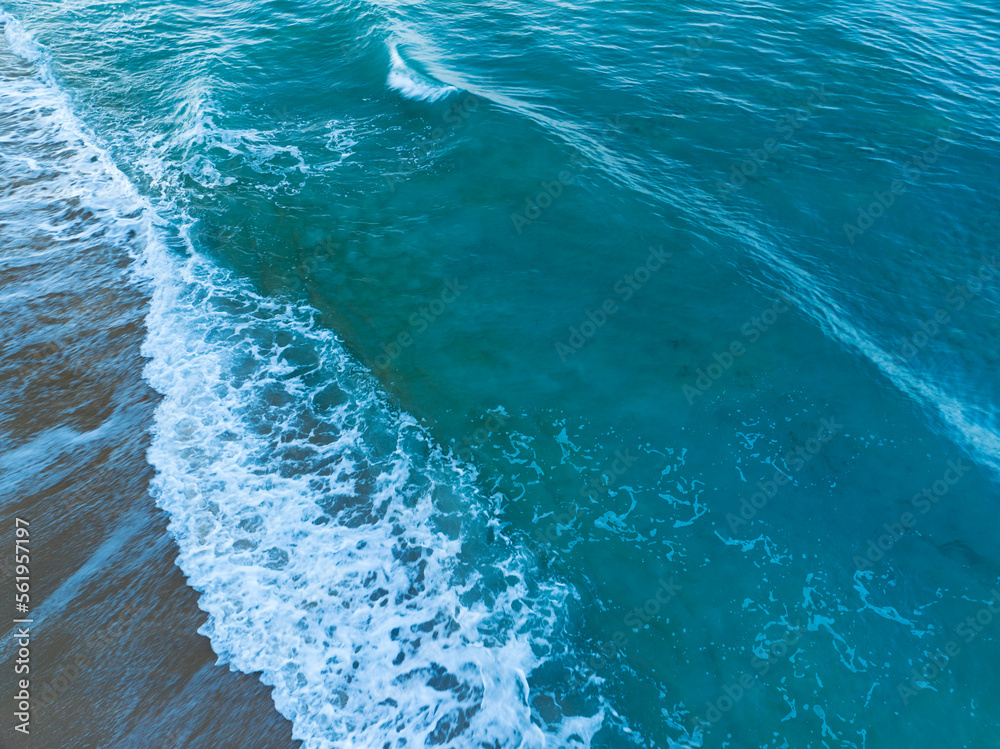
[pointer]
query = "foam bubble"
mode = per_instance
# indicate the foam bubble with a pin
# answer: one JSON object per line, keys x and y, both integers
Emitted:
{"x": 335, "y": 550}
{"x": 328, "y": 538}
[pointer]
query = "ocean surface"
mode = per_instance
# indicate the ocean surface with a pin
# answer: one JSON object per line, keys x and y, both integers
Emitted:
{"x": 537, "y": 374}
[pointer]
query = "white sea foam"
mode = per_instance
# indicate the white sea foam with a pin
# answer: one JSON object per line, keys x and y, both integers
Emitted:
{"x": 334, "y": 549}
{"x": 202, "y": 144}
{"x": 325, "y": 534}
{"x": 412, "y": 84}
{"x": 339, "y": 140}
{"x": 18, "y": 40}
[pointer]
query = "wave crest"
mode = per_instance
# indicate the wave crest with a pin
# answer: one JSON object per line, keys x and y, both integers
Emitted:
{"x": 412, "y": 84}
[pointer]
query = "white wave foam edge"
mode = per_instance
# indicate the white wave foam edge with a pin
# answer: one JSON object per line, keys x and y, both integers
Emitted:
{"x": 412, "y": 84}
{"x": 321, "y": 529}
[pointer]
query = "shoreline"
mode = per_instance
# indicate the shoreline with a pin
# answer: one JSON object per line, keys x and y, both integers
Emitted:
{"x": 115, "y": 656}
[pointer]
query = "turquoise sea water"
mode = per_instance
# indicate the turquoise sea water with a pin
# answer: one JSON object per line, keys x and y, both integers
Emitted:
{"x": 564, "y": 374}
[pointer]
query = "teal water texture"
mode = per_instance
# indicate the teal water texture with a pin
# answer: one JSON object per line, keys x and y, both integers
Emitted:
{"x": 687, "y": 313}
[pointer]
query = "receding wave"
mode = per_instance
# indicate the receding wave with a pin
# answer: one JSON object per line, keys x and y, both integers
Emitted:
{"x": 335, "y": 550}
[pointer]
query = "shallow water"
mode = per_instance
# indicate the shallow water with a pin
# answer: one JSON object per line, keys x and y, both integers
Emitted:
{"x": 550, "y": 374}
{"x": 115, "y": 660}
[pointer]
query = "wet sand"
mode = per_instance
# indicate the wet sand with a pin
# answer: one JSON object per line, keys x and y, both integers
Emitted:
{"x": 115, "y": 660}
